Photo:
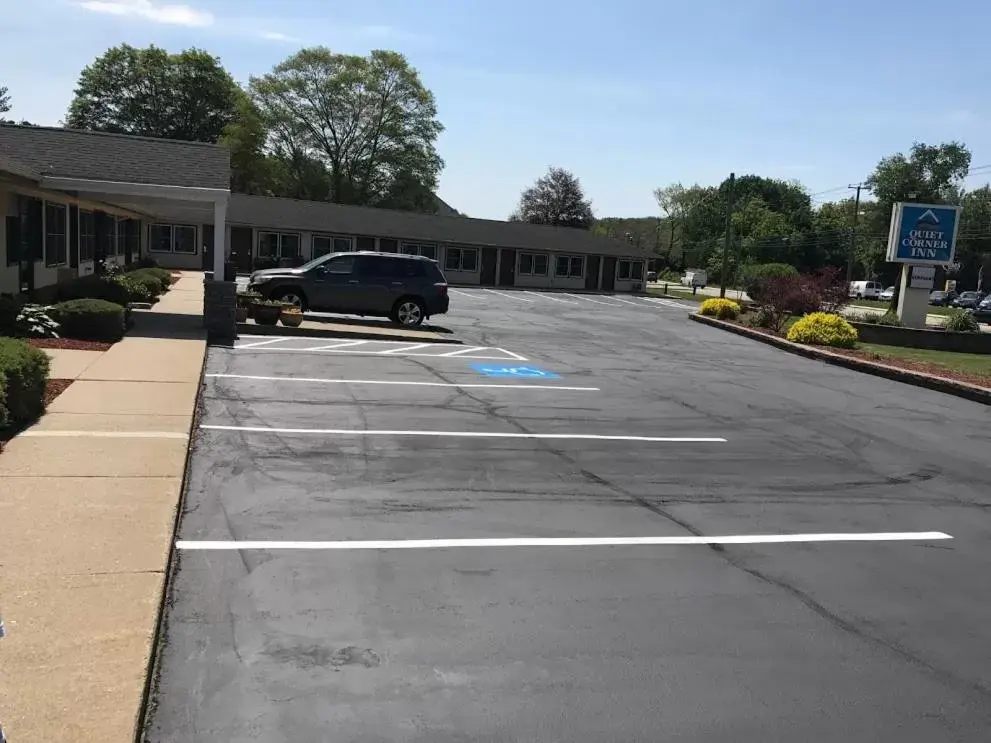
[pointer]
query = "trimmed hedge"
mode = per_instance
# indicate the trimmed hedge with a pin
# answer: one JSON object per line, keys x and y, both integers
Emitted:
{"x": 823, "y": 329}
{"x": 152, "y": 276}
{"x": 23, "y": 375}
{"x": 94, "y": 287}
{"x": 90, "y": 319}
{"x": 722, "y": 309}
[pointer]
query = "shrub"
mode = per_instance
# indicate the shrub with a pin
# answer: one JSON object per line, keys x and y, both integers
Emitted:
{"x": 823, "y": 329}
{"x": 876, "y": 318}
{"x": 762, "y": 318}
{"x": 35, "y": 321}
{"x": 161, "y": 275}
{"x": 723, "y": 309}
{"x": 95, "y": 287}
{"x": 138, "y": 282}
{"x": 23, "y": 375}
{"x": 10, "y": 308}
{"x": 752, "y": 276}
{"x": 90, "y": 319}
{"x": 961, "y": 321}
{"x": 146, "y": 261}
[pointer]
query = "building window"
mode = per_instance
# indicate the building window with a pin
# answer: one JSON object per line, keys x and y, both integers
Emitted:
{"x": 134, "y": 238}
{"x": 172, "y": 238}
{"x": 425, "y": 249}
{"x": 533, "y": 264}
{"x": 323, "y": 244}
{"x": 87, "y": 236}
{"x": 461, "y": 259}
{"x": 569, "y": 266}
{"x": 55, "y": 240}
{"x": 120, "y": 242}
{"x": 627, "y": 270}
{"x": 278, "y": 245}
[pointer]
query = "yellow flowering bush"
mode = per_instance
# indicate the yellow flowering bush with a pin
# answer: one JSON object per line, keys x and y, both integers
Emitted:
{"x": 721, "y": 309}
{"x": 823, "y": 329}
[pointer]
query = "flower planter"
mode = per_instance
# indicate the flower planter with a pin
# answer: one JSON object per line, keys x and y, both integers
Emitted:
{"x": 267, "y": 315}
{"x": 241, "y": 313}
{"x": 291, "y": 319}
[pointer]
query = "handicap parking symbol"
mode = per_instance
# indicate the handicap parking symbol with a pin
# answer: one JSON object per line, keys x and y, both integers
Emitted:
{"x": 518, "y": 372}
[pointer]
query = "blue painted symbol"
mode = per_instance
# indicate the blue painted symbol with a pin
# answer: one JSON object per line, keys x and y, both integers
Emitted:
{"x": 518, "y": 372}
{"x": 923, "y": 233}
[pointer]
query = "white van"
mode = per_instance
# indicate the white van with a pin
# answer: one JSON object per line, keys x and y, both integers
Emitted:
{"x": 695, "y": 277}
{"x": 865, "y": 289}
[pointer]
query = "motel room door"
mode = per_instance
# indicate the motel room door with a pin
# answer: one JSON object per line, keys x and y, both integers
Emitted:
{"x": 488, "y": 273}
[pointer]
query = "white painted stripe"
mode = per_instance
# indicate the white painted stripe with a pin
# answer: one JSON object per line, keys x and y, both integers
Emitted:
{"x": 105, "y": 434}
{"x": 463, "y": 294}
{"x": 625, "y": 301}
{"x": 468, "y": 434}
{"x": 462, "y": 351}
{"x": 317, "y": 380}
{"x": 402, "y": 349}
{"x": 413, "y": 544}
{"x": 547, "y": 295}
{"x": 509, "y": 354}
{"x": 335, "y": 346}
{"x": 509, "y": 296}
{"x": 589, "y": 299}
{"x": 262, "y": 343}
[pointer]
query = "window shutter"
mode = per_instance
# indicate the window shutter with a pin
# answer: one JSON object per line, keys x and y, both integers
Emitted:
{"x": 74, "y": 236}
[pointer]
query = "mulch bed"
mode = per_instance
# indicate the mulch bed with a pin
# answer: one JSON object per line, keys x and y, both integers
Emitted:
{"x": 68, "y": 344}
{"x": 922, "y": 367}
{"x": 54, "y": 388}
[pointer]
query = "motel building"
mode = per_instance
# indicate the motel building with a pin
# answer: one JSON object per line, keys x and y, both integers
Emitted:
{"x": 72, "y": 199}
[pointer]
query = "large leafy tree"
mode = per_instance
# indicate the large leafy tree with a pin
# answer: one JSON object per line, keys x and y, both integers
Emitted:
{"x": 149, "y": 92}
{"x": 366, "y": 126}
{"x": 4, "y": 100}
{"x": 555, "y": 199}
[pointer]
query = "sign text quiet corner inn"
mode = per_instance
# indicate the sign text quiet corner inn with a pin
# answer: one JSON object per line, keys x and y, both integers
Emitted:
{"x": 923, "y": 233}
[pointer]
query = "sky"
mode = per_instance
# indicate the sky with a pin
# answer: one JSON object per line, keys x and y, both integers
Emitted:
{"x": 629, "y": 95}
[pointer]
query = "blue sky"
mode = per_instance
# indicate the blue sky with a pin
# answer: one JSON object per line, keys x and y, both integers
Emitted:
{"x": 629, "y": 95}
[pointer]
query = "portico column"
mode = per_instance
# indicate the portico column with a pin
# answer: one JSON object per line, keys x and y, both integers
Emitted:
{"x": 219, "y": 235}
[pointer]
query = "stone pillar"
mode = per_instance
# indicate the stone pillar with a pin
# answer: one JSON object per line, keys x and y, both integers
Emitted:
{"x": 220, "y": 310}
{"x": 219, "y": 236}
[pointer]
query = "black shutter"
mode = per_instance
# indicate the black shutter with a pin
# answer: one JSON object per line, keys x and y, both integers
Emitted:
{"x": 74, "y": 236}
{"x": 35, "y": 238}
{"x": 13, "y": 241}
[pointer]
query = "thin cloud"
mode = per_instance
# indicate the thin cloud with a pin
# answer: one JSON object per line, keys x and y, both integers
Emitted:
{"x": 170, "y": 14}
{"x": 277, "y": 36}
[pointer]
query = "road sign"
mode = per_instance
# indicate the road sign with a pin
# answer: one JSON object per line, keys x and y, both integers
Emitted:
{"x": 923, "y": 233}
{"x": 518, "y": 372}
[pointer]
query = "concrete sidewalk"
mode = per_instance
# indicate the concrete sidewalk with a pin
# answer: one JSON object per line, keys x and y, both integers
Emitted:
{"x": 88, "y": 501}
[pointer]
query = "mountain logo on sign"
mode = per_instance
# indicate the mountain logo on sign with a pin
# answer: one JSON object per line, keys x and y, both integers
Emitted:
{"x": 927, "y": 220}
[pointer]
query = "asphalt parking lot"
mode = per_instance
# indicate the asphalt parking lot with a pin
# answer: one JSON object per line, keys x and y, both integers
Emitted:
{"x": 573, "y": 531}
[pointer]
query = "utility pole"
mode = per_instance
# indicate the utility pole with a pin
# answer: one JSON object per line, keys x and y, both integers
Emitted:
{"x": 729, "y": 234}
{"x": 853, "y": 233}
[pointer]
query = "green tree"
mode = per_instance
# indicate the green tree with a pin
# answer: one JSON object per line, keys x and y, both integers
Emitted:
{"x": 4, "y": 100}
{"x": 149, "y": 92}
{"x": 555, "y": 199}
{"x": 369, "y": 123}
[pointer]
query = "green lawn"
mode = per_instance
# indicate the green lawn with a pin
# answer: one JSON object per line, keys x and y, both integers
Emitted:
{"x": 969, "y": 363}
{"x": 675, "y": 293}
{"x": 883, "y": 306}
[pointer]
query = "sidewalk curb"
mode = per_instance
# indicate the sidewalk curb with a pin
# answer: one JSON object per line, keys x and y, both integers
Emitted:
{"x": 358, "y": 335}
{"x": 918, "y": 379}
{"x": 153, "y": 666}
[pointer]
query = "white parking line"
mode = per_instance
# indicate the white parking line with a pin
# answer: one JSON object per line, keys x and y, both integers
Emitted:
{"x": 667, "y": 303}
{"x": 589, "y": 299}
{"x": 261, "y": 343}
{"x": 461, "y": 352}
{"x": 317, "y": 380}
{"x": 403, "y": 349}
{"x": 546, "y": 295}
{"x": 625, "y": 301}
{"x": 467, "y": 434}
{"x": 413, "y": 544}
{"x": 331, "y": 347}
{"x": 463, "y": 294}
{"x": 509, "y": 296}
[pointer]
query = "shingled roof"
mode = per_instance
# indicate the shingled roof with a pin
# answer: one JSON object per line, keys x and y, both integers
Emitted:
{"x": 71, "y": 153}
{"x": 319, "y": 216}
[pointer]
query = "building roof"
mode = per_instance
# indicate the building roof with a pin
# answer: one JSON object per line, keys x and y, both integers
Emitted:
{"x": 71, "y": 153}
{"x": 318, "y": 216}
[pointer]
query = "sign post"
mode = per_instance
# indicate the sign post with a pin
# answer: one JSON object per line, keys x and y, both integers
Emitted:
{"x": 922, "y": 236}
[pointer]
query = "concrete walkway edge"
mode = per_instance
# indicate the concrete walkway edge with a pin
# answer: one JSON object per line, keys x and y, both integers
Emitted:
{"x": 918, "y": 379}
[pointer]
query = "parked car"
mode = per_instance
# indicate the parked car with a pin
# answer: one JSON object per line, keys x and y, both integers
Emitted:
{"x": 983, "y": 310}
{"x": 865, "y": 289}
{"x": 652, "y": 276}
{"x": 695, "y": 278}
{"x": 405, "y": 288}
{"x": 968, "y": 300}
{"x": 887, "y": 295}
{"x": 940, "y": 298}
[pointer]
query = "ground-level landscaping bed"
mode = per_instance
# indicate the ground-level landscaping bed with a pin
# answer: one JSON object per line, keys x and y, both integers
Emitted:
{"x": 972, "y": 368}
{"x": 68, "y": 344}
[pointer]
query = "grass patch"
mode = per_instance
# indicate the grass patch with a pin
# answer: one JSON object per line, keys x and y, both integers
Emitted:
{"x": 967, "y": 363}
{"x": 882, "y": 307}
{"x": 675, "y": 293}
